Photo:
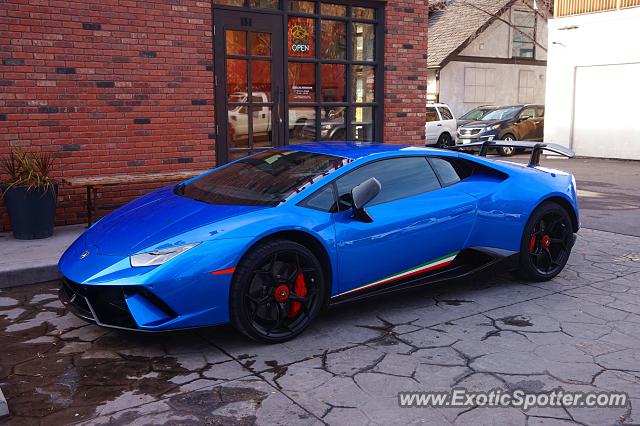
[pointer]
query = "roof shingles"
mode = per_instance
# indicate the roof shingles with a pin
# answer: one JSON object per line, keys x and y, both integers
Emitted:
{"x": 456, "y": 23}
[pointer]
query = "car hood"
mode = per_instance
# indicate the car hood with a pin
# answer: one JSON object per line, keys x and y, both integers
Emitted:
{"x": 155, "y": 218}
{"x": 483, "y": 123}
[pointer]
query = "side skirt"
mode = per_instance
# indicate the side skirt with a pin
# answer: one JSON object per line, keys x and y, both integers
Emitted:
{"x": 467, "y": 263}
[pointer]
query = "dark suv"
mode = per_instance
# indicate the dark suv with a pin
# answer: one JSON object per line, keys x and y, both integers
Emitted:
{"x": 509, "y": 123}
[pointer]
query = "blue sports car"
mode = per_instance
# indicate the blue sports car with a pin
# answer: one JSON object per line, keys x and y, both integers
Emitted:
{"x": 266, "y": 241}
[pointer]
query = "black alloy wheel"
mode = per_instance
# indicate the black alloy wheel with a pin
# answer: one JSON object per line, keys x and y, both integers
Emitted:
{"x": 546, "y": 243}
{"x": 445, "y": 141}
{"x": 507, "y": 151}
{"x": 277, "y": 291}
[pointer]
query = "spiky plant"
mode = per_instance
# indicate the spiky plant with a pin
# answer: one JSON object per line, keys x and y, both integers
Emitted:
{"x": 32, "y": 170}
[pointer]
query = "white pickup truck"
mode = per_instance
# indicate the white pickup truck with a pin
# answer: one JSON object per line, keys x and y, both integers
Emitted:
{"x": 262, "y": 122}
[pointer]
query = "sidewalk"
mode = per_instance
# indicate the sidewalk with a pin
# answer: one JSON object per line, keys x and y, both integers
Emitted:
{"x": 33, "y": 261}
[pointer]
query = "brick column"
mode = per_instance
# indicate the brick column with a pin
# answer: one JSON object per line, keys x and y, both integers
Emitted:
{"x": 405, "y": 71}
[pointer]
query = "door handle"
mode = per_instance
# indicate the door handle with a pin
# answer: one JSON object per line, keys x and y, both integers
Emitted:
{"x": 462, "y": 210}
{"x": 438, "y": 125}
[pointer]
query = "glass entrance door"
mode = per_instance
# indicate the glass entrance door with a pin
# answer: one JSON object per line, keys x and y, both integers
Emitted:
{"x": 249, "y": 83}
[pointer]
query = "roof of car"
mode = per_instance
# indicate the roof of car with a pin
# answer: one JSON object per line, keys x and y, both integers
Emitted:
{"x": 353, "y": 150}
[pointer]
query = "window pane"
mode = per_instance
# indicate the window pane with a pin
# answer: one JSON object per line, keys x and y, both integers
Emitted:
{"x": 265, "y": 4}
{"x": 302, "y": 124}
{"x": 236, "y": 79}
{"x": 261, "y": 44}
{"x": 523, "y": 18}
{"x": 333, "y": 39}
{"x": 261, "y": 80}
{"x": 362, "y": 132}
{"x": 523, "y": 33}
{"x": 333, "y": 124}
{"x": 363, "y": 115}
{"x": 363, "y": 40}
{"x": 238, "y": 127}
{"x": 523, "y": 50}
{"x": 432, "y": 115}
{"x": 363, "y": 83}
{"x": 362, "y": 127}
{"x": 267, "y": 179}
{"x": 230, "y": 2}
{"x": 236, "y": 42}
{"x": 301, "y": 37}
{"x": 400, "y": 178}
{"x": 364, "y": 13}
{"x": 445, "y": 113}
{"x": 302, "y": 6}
{"x": 322, "y": 200}
{"x": 262, "y": 126}
{"x": 333, "y": 83}
{"x": 302, "y": 82}
{"x": 446, "y": 171}
{"x": 333, "y": 9}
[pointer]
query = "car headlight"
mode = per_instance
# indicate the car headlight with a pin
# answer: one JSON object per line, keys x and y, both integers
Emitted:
{"x": 490, "y": 128}
{"x": 158, "y": 257}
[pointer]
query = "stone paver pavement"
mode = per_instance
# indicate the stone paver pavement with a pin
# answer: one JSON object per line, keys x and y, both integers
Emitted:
{"x": 580, "y": 331}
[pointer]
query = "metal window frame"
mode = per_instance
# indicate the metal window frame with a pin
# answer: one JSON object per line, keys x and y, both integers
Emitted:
{"x": 378, "y": 63}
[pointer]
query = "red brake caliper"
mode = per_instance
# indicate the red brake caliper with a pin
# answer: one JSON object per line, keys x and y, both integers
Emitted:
{"x": 532, "y": 243}
{"x": 299, "y": 288}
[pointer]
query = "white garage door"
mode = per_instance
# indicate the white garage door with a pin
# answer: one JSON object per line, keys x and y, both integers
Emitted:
{"x": 607, "y": 111}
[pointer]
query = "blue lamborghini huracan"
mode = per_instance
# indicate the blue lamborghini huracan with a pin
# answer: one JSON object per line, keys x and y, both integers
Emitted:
{"x": 265, "y": 242}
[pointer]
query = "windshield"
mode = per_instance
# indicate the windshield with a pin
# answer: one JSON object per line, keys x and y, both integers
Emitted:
{"x": 476, "y": 114}
{"x": 502, "y": 113}
{"x": 265, "y": 179}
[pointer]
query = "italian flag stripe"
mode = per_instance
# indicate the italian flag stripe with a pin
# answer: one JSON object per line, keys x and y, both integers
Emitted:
{"x": 440, "y": 262}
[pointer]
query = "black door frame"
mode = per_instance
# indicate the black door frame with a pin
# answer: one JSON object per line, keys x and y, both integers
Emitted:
{"x": 283, "y": 13}
{"x": 257, "y": 22}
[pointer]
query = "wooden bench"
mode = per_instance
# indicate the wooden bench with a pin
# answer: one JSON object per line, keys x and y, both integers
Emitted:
{"x": 92, "y": 183}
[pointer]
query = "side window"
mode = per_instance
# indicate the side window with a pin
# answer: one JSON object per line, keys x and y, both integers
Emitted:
{"x": 445, "y": 113}
{"x": 432, "y": 115}
{"x": 445, "y": 170}
{"x": 540, "y": 112}
{"x": 529, "y": 112}
{"x": 399, "y": 177}
{"x": 322, "y": 200}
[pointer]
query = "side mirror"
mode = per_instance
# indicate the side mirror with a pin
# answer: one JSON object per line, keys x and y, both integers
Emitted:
{"x": 363, "y": 194}
{"x": 523, "y": 118}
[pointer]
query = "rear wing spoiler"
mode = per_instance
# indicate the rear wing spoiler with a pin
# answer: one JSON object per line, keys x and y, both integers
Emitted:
{"x": 535, "y": 147}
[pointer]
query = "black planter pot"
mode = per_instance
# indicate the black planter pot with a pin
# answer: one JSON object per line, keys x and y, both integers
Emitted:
{"x": 32, "y": 212}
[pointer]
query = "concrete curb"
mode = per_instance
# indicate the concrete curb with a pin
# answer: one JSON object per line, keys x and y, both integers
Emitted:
{"x": 24, "y": 262}
{"x": 26, "y": 276}
{"x": 4, "y": 408}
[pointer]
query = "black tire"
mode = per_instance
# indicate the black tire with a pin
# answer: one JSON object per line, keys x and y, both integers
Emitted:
{"x": 507, "y": 151}
{"x": 257, "y": 303}
{"x": 546, "y": 243}
{"x": 444, "y": 141}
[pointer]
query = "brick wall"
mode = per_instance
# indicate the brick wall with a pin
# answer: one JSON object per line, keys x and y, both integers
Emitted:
{"x": 109, "y": 86}
{"x": 127, "y": 86}
{"x": 405, "y": 71}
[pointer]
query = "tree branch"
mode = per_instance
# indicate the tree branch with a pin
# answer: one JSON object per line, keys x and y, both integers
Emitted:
{"x": 501, "y": 19}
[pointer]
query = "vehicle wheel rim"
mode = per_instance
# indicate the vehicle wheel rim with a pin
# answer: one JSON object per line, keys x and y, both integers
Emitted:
{"x": 283, "y": 294}
{"x": 549, "y": 243}
{"x": 444, "y": 142}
